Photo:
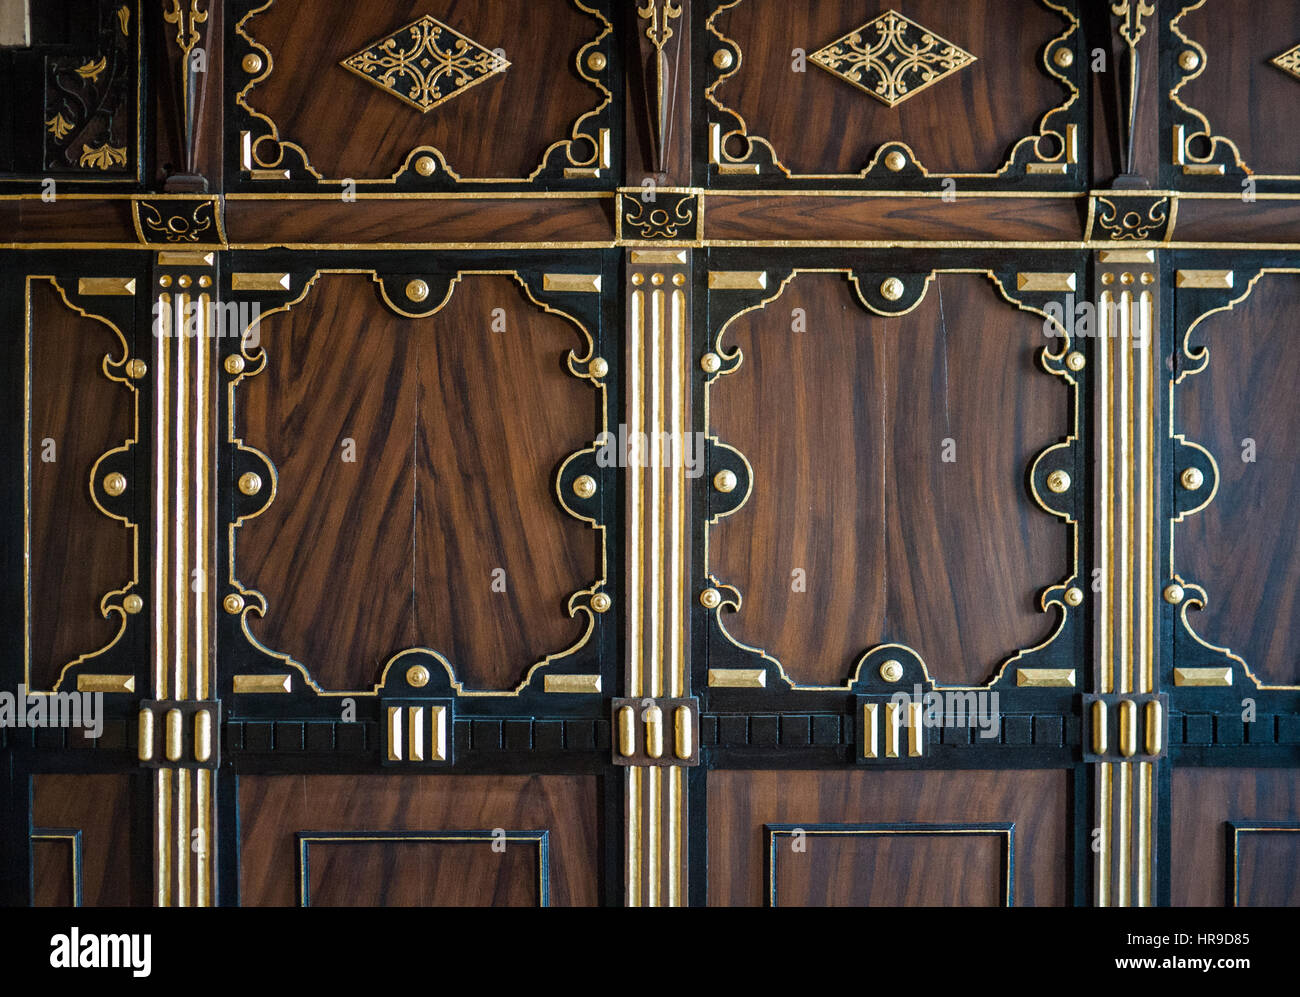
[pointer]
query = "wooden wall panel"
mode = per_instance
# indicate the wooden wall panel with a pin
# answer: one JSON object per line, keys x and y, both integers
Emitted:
{"x": 78, "y": 553}
{"x": 1204, "y": 800}
{"x": 818, "y": 123}
{"x": 54, "y": 875}
{"x": 351, "y": 128}
{"x": 1247, "y": 99}
{"x": 741, "y": 802}
{"x": 1241, "y": 547}
{"x": 849, "y": 485}
{"x": 100, "y": 806}
{"x": 459, "y": 431}
{"x": 274, "y": 808}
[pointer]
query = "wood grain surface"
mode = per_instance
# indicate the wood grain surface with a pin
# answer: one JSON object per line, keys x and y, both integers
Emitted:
{"x": 740, "y": 803}
{"x": 274, "y": 808}
{"x": 458, "y": 433}
{"x": 78, "y": 554}
{"x": 1241, "y": 547}
{"x": 850, "y": 487}
{"x": 100, "y": 807}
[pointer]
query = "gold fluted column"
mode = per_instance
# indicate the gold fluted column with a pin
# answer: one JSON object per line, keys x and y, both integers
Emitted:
{"x": 178, "y": 728}
{"x": 658, "y": 425}
{"x": 1124, "y": 716}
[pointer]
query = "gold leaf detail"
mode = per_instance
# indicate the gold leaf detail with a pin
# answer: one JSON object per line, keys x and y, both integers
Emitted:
{"x": 102, "y": 158}
{"x": 91, "y": 70}
{"x": 425, "y": 63}
{"x": 1288, "y": 61}
{"x": 892, "y": 58}
{"x": 124, "y": 17}
{"x": 59, "y": 126}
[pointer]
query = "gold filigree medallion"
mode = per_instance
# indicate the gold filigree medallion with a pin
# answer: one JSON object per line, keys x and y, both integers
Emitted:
{"x": 426, "y": 63}
{"x": 892, "y": 58}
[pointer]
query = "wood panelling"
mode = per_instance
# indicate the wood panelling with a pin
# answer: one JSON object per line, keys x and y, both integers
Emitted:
{"x": 850, "y": 484}
{"x": 78, "y": 554}
{"x": 1247, "y": 99}
{"x": 100, "y": 807}
{"x": 891, "y": 870}
{"x": 274, "y": 808}
{"x": 351, "y": 128}
{"x": 818, "y": 123}
{"x": 458, "y": 433}
{"x": 1241, "y": 547}
{"x": 740, "y": 803}
{"x": 54, "y": 882}
{"x": 1203, "y": 802}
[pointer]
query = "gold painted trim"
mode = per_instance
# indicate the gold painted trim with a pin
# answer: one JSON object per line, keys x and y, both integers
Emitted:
{"x": 105, "y": 683}
{"x": 255, "y": 684}
{"x": 1045, "y": 281}
{"x": 658, "y": 257}
{"x": 571, "y": 683}
{"x": 870, "y": 729}
{"x": 1203, "y": 676}
{"x": 626, "y": 731}
{"x": 259, "y": 282}
{"x": 577, "y": 282}
{"x": 1154, "y": 727}
{"x": 1127, "y": 728}
{"x": 738, "y": 280}
{"x": 173, "y": 258}
{"x": 1204, "y": 278}
{"x": 144, "y": 735}
{"x": 1127, "y": 256}
{"x": 1100, "y": 738}
{"x": 893, "y": 720}
{"x": 1045, "y": 677}
{"x": 737, "y": 678}
{"x": 106, "y": 286}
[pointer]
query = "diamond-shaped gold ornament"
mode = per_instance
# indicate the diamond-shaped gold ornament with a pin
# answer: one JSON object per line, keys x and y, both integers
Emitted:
{"x": 425, "y": 63}
{"x": 892, "y": 58}
{"x": 1288, "y": 61}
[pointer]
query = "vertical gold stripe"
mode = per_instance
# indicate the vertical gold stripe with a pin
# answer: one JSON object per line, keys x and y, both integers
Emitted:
{"x": 164, "y": 330}
{"x": 1148, "y": 490}
{"x": 633, "y": 790}
{"x": 162, "y": 836}
{"x": 181, "y": 573}
{"x": 674, "y": 835}
{"x": 654, "y": 455}
{"x": 1124, "y": 590}
{"x": 182, "y": 837}
{"x": 676, "y": 592}
{"x": 1104, "y": 847}
{"x": 203, "y": 598}
{"x": 870, "y": 729}
{"x": 1123, "y": 842}
{"x": 203, "y": 803}
{"x": 635, "y": 484}
{"x": 1105, "y": 543}
{"x": 1143, "y": 835}
{"x": 653, "y": 871}
{"x": 892, "y": 711}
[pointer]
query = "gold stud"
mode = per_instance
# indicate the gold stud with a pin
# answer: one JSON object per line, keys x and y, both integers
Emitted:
{"x": 1076, "y": 361}
{"x": 417, "y": 290}
{"x": 133, "y": 604}
{"x": 891, "y": 671}
{"x": 598, "y": 367}
{"x": 425, "y": 166}
{"x": 584, "y": 486}
{"x": 1173, "y": 593}
{"x": 234, "y": 364}
{"x": 137, "y": 369}
{"x": 657, "y": 279}
{"x": 891, "y": 289}
{"x": 252, "y": 63}
{"x": 250, "y": 483}
{"x": 895, "y": 160}
{"x": 1073, "y": 596}
{"x": 638, "y": 279}
{"x": 418, "y": 676}
{"x": 1188, "y": 59}
{"x": 723, "y": 58}
{"x": 710, "y": 598}
{"x": 1064, "y": 58}
{"x": 183, "y": 280}
{"x": 1126, "y": 278}
{"x": 1108, "y": 278}
{"x": 711, "y": 363}
{"x": 165, "y": 281}
{"x": 233, "y": 603}
{"x": 596, "y": 61}
{"x": 600, "y": 602}
{"x": 205, "y": 281}
{"x": 1192, "y": 479}
{"x": 115, "y": 484}
{"x": 724, "y": 481}
{"x": 679, "y": 279}
{"x": 1059, "y": 482}
{"x": 1148, "y": 278}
